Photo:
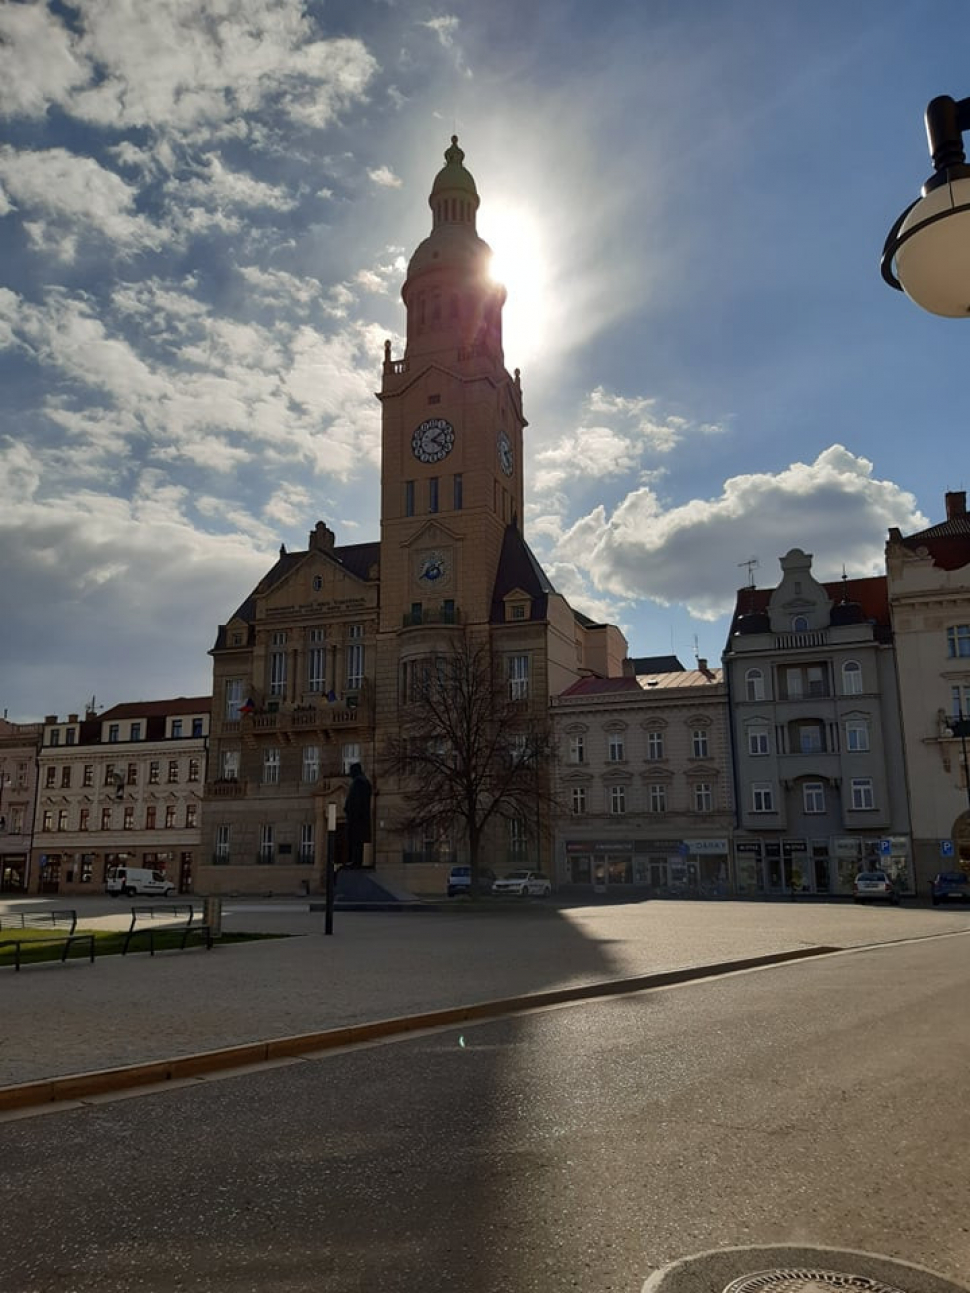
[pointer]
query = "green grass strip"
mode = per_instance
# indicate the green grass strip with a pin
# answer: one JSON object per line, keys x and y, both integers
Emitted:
{"x": 38, "y": 945}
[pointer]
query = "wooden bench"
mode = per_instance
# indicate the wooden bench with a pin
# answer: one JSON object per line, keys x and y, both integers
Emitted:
{"x": 64, "y": 919}
{"x": 180, "y": 918}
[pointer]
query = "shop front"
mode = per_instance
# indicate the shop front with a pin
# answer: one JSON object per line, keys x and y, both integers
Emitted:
{"x": 822, "y": 867}
{"x": 655, "y": 867}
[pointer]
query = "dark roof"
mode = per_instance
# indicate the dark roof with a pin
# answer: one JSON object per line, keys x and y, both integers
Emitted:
{"x": 158, "y": 708}
{"x": 948, "y": 543}
{"x": 655, "y": 664}
{"x": 870, "y": 595}
{"x": 519, "y": 568}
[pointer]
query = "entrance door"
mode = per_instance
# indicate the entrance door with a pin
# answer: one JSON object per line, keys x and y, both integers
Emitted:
{"x": 658, "y": 876}
{"x": 13, "y": 874}
{"x": 599, "y": 874}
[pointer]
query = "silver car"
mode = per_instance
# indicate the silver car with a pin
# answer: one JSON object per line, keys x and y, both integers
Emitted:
{"x": 875, "y": 886}
{"x": 526, "y": 883}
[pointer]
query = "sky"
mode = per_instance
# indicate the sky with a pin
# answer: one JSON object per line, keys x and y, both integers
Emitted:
{"x": 206, "y": 211}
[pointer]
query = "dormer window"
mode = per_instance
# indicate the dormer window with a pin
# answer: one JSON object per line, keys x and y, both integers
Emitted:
{"x": 799, "y": 624}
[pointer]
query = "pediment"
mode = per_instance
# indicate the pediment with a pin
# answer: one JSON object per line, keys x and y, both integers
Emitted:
{"x": 432, "y": 533}
{"x": 318, "y": 584}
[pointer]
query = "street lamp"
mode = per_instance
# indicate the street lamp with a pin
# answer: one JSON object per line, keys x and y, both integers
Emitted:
{"x": 927, "y": 251}
{"x": 960, "y": 727}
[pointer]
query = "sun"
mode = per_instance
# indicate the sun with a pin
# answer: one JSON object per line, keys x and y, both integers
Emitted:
{"x": 520, "y": 262}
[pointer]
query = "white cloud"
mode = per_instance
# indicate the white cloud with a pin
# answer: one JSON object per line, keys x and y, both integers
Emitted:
{"x": 832, "y": 507}
{"x": 76, "y": 197}
{"x": 217, "y": 186}
{"x": 38, "y": 62}
{"x": 384, "y": 178}
{"x": 446, "y": 28}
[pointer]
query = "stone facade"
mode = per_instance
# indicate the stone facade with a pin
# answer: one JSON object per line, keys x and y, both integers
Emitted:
{"x": 819, "y": 773}
{"x": 929, "y": 595}
{"x": 19, "y": 743}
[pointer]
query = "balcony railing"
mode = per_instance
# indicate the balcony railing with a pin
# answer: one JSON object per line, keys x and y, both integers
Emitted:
{"x": 225, "y": 788}
{"x": 792, "y": 641}
{"x": 431, "y": 615}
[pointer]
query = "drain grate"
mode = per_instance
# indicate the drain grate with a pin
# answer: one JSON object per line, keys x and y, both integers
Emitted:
{"x": 807, "y": 1280}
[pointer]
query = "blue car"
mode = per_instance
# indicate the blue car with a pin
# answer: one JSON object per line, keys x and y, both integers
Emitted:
{"x": 950, "y": 886}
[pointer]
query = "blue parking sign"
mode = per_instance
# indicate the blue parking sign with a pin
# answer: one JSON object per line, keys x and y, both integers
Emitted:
{"x": 946, "y": 848}
{"x": 885, "y": 848}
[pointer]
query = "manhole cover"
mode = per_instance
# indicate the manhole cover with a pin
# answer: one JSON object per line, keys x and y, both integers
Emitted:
{"x": 806, "y": 1280}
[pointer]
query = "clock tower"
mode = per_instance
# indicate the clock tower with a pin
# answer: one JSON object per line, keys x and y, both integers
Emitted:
{"x": 451, "y": 481}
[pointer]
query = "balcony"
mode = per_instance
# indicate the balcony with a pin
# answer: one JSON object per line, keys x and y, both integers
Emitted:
{"x": 225, "y": 788}
{"x": 431, "y": 615}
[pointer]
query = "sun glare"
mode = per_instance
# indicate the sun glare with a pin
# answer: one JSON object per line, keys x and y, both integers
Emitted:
{"x": 520, "y": 262}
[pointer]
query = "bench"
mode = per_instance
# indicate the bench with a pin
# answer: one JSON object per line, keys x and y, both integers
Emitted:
{"x": 64, "y": 919}
{"x": 180, "y": 918}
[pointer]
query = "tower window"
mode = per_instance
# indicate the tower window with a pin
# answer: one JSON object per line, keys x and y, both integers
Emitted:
{"x": 409, "y": 498}
{"x": 434, "y": 399}
{"x": 458, "y": 492}
{"x": 433, "y": 494}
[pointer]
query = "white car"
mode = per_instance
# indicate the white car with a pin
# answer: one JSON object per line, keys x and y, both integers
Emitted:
{"x": 526, "y": 883}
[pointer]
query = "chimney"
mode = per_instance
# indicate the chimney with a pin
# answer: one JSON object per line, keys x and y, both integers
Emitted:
{"x": 956, "y": 504}
{"x": 321, "y": 538}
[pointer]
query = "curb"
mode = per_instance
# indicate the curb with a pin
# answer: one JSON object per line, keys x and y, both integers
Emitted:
{"x": 78, "y": 1086}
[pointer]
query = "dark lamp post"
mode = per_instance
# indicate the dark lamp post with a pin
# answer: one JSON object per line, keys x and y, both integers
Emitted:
{"x": 927, "y": 251}
{"x": 960, "y": 727}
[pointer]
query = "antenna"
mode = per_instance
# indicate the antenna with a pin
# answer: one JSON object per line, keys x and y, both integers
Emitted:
{"x": 697, "y": 649}
{"x": 752, "y": 565}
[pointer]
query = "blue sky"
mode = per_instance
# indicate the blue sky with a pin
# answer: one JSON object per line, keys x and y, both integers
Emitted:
{"x": 206, "y": 209}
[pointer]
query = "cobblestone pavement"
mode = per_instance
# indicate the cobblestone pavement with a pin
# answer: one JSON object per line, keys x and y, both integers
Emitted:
{"x": 59, "y": 1019}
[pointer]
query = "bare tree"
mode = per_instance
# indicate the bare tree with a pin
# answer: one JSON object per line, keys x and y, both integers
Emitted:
{"x": 468, "y": 755}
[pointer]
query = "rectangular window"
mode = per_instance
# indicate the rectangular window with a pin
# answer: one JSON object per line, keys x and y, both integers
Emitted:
{"x": 958, "y": 640}
{"x": 307, "y": 852}
{"x": 458, "y": 493}
{"x": 150, "y": 817}
{"x": 106, "y": 819}
{"x": 153, "y": 772}
{"x": 816, "y": 680}
{"x": 69, "y": 734}
{"x": 311, "y": 762}
{"x": 234, "y": 698}
{"x": 813, "y": 797}
{"x": 114, "y": 731}
{"x": 198, "y": 727}
{"x": 131, "y": 777}
{"x": 173, "y": 770}
{"x": 810, "y": 738}
{"x": 266, "y": 851}
{"x": 62, "y": 820}
{"x": 84, "y": 819}
{"x": 578, "y": 800}
{"x": 316, "y": 666}
{"x": 55, "y": 737}
{"x": 169, "y": 817}
{"x": 518, "y": 677}
{"x": 856, "y": 735}
{"x": 47, "y": 822}
{"x": 617, "y": 799}
{"x": 762, "y": 797}
{"x": 230, "y": 765}
{"x": 577, "y": 749}
{"x": 703, "y": 797}
{"x": 271, "y": 765}
{"x": 699, "y": 743}
{"x": 355, "y": 665}
{"x": 655, "y": 745}
{"x": 176, "y": 729}
{"x": 615, "y": 748}
{"x": 409, "y": 498}
{"x": 194, "y": 767}
{"x": 129, "y": 822}
{"x": 136, "y": 731}
{"x": 793, "y": 684}
{"x": 277, "y": 673}
{"x": 657, "y": 798}
{"x": 433, "y": 494}
{"x": 87, "y": 778}
{"x": 50, "y": 777}
{"x": 223, "y": 838}
{"x": 754, "y": 685}
{"x": 191, "y": 815}
{"x": 862, "y": 793}
{"x": 758, "y": 741}
{"x": 349, "y": 753}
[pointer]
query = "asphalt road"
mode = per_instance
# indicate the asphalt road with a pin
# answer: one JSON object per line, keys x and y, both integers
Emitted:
{"x": 572, "y": 1148}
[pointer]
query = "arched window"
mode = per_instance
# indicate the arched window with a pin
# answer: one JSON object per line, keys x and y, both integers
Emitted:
{"x": 754, "y": 685}
{"x": 852, "y": 678}
{"x": 799, "y": 624}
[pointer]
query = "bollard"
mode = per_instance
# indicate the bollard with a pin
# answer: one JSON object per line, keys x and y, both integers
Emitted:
{"x": 213, "y": 916}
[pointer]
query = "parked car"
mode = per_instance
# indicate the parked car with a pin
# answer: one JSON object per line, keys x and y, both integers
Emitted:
{"x": 131, "y": 880}
{"x": 526, "y": 883}
{"x": 875, "y": 886}
{"x": 950, "y": 886}
{"x": 460, "y": 880}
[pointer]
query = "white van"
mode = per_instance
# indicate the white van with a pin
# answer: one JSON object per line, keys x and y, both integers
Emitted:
{"x": 133, "y": 879}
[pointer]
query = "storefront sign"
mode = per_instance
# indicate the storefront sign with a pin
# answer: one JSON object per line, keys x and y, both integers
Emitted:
{"x": 706, "y": 846}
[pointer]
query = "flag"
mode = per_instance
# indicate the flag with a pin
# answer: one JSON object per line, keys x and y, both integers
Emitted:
{"x": 332, "y": 696}
{"x": 247, "y": 707}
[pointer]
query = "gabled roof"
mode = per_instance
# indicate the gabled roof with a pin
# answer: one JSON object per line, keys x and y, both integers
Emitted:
{"x": 655, "y": 664}
{"x": 948, "y": 544}
{"x": 600, "y": 686}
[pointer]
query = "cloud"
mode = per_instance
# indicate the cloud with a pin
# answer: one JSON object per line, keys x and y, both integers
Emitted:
{"x": 74, "y": 197}
{"x": 690, "y": 553}
{"x": 446, "y": 28}
{"x": 217, "y": 186}
{"x": 601, "y": 449}
{"x": 384, "y": 178}
{"x": 176, "y": 66}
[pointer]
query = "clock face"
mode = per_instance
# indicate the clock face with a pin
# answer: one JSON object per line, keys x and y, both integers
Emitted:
{"x": 432, "y": 440}
{"x": 505, "y": 453}
{"x": 433, "y": 567}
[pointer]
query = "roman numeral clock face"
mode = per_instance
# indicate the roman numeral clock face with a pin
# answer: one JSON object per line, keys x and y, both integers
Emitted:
{"x": 433, "y": 440}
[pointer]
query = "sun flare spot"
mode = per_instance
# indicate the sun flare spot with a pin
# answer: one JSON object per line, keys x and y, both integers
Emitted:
{"x": 520, "y": 263}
